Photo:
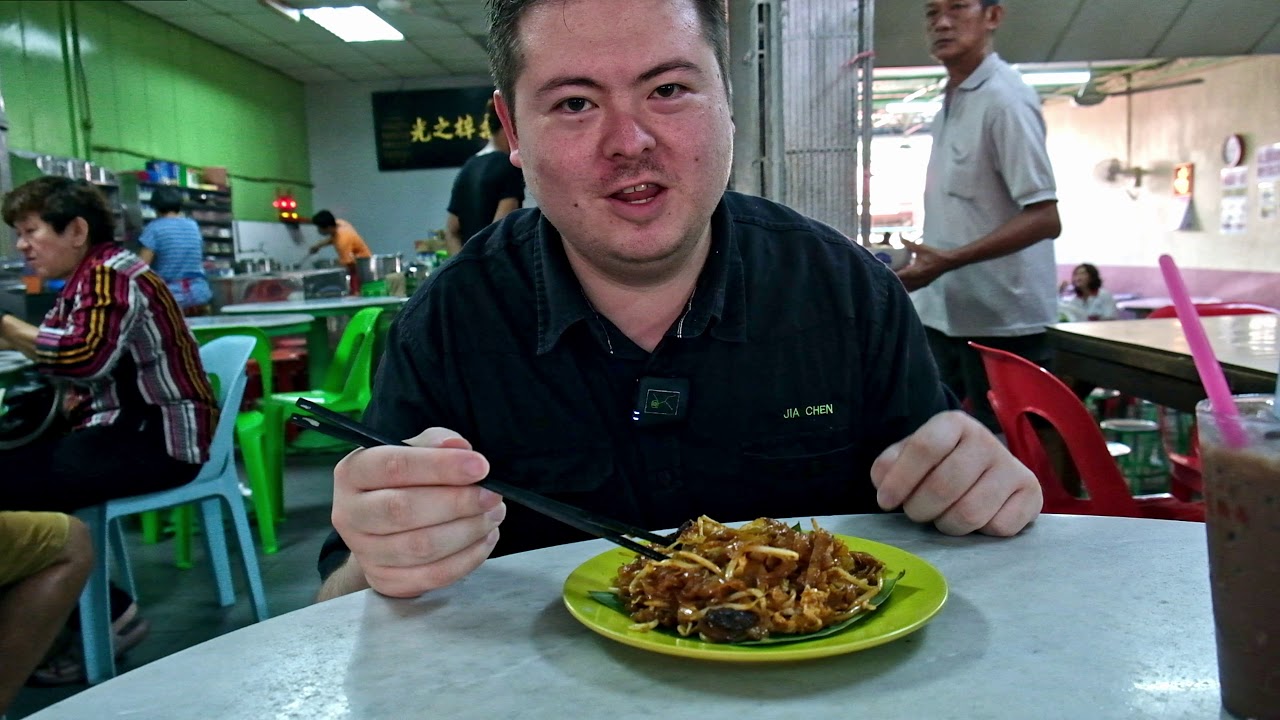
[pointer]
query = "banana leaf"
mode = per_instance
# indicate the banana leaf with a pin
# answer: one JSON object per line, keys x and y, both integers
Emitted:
{"x": 612, "y": 601}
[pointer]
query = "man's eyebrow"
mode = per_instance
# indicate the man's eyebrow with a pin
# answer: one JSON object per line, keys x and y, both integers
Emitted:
{"x": 562, "y": 81}
{"x": 582, "y": 81}
{"x": 667, "y": 67}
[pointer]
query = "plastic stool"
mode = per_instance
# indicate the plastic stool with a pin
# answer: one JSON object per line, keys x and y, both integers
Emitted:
{"x": 1118, "y": 450}
{"x": 1103, "y": 403}
{"x": 1145, "y": 466}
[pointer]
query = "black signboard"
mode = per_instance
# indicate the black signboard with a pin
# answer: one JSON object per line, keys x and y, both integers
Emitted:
{"x": 417, "y": 129}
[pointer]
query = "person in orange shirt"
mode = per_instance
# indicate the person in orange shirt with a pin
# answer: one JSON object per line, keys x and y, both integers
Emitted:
{"x": 346, "y": 242}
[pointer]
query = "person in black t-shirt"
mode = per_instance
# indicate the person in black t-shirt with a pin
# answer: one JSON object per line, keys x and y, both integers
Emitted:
{"x": 487, "y": 188}
{"x": 790, "y": 374}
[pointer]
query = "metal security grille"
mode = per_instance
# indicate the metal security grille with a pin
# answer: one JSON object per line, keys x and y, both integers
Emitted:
{"x": 823, "y": 59}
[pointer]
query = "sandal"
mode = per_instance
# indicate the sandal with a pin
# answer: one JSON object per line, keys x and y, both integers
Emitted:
{"x": 67, "y": 667}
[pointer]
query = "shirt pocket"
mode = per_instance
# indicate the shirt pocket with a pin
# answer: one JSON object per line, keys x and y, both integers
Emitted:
{"x": 808, "y": 474}
{"x": 962, "y": 171}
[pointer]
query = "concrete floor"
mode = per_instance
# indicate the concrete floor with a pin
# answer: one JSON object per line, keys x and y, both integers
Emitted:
{"x": 182, "y": 606}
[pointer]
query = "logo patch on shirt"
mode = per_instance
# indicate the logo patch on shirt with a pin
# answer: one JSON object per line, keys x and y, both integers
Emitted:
{"x": 808, "y": 411}
{"x": 662, "y": 402}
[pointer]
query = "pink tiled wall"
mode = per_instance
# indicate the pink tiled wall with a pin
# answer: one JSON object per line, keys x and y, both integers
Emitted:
{"x": 1230, "y": 285}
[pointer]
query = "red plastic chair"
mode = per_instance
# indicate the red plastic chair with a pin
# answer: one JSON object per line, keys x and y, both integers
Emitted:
{"x": 1021, "y": 389}
{"x": 1207, "y": 309}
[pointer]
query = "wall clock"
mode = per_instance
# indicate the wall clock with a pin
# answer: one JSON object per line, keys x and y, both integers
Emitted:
{"x": 1233, "y": 150}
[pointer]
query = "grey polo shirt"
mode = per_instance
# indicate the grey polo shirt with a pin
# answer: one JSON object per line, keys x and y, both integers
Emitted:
{"x": 988, "y": 163}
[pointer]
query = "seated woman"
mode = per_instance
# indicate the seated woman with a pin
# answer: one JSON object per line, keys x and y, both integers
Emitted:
{"x": 1087, "y": 300}
{"x": 173, "y": 247}
{"x": 138, "y": 408}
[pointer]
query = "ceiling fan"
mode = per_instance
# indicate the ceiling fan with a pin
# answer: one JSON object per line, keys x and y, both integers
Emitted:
{"x": 1090, "y": 94}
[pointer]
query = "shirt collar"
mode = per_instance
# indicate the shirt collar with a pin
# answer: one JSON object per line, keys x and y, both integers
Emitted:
{"x": 720, "y": 295}
{"x": 982, "y": 73}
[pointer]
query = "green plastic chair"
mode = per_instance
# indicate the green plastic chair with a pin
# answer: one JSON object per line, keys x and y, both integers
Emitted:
{"x": 347, "y": 389}
{"x": 251, "y": 437}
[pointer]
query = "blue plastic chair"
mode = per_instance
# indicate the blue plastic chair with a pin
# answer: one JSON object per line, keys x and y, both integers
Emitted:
{"x": 218, "y": 482}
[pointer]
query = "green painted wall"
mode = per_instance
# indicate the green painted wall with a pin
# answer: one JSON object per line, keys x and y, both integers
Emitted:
{"x": 152, "y": 89}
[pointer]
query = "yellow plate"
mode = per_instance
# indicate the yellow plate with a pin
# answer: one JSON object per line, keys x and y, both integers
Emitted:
{"x": 916, "y": 599}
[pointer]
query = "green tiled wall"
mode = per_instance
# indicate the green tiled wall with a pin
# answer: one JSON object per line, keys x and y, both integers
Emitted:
{"x": 152, "y": 89}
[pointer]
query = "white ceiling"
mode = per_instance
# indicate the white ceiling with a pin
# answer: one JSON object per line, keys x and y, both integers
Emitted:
{"x": 446, "y": 38}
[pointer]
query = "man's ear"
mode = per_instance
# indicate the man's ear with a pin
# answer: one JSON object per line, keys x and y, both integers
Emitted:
{"x": 995, "y": 15}
{"x": 507, "y": 116}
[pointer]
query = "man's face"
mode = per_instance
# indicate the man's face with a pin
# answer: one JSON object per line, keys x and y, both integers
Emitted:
{"x": 958, "y": 29}
{"x": 1080, "y": 278}
{"x": 622, "y": 127}
{"x": 52, "y": 254}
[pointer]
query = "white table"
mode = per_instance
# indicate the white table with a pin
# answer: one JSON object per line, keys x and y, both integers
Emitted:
{"x": 271, "y": 323}
{"x": 1080, "y": 617}
{"x": 315, "y": 306}
{"x": 318, "y": 350}
{"x": 12, "y": 362}
{"x": 1143, "y": 306}
{"x": 1151, "y": 359}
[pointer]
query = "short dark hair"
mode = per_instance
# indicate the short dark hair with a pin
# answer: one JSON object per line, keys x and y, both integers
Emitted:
{"x": 506, "y": 59}
{"x": 989, "y": 3}
{"x": 167, "y": 199}
{"x": 1095, "y": 278}
{"x": 323, "y": 219}
{"x": 58, "y": 201}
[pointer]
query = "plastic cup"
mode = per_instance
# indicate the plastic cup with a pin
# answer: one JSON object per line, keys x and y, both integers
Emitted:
{"x": 1242, "y": 498}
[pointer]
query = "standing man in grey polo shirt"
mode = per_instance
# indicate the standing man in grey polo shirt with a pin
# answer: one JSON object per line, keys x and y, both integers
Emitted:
{"x": 985, "y": 270}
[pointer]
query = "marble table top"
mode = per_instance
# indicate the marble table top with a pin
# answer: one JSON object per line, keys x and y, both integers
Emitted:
{"x": 262, "y": 320}
{"x": 313, "y": 305}
{"x": 1077, "y": 617}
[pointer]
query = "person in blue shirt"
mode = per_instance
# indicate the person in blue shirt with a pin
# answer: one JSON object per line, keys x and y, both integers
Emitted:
{"x": 173, "y": 247}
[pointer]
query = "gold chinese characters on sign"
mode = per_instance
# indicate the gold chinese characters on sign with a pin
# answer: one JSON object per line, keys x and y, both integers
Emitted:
{"x": 464, "y": 127}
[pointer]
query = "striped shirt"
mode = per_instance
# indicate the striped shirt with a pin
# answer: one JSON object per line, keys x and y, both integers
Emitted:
{"x": 179, "y": 259}
{"x": 117, "y": 337}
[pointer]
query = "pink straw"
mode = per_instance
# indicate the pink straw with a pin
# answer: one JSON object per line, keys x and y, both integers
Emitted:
{"x": 1207, "y": 365}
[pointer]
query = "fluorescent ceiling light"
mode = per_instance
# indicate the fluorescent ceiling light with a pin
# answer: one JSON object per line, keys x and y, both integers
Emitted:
{"x": 1078, "y": 77}
{"x": 285, "y": 9}
{"x": 353, "y": 24}
{"x": 914, "y": 108}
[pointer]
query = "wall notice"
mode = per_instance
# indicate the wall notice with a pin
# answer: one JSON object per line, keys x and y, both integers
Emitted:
{"x": 1268, "y": 181}
{"x": 1235, "y": 200}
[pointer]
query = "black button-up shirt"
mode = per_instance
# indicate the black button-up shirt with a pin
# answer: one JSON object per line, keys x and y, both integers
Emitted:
{"x": 803, "y": 355}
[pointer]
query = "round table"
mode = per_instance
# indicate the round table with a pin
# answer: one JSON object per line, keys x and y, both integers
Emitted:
{"x": 1144, "y": 306}
{"x": 1078, "y": 617}
{"x": 12, "y": 363}
{"x": 318, "y": 350}
{"x": 274, "y": 325}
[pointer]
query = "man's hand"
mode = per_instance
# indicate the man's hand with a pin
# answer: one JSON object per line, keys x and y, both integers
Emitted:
{"x": 413, "y": 516}
{"x": 929, "y": 265}
{"x": 954, "y": 473}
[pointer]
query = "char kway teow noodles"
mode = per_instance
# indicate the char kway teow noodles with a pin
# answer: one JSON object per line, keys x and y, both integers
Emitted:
{"x": 763, "y": 579}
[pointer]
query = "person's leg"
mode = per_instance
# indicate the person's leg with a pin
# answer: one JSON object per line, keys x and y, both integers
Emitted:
{"x": 1036, "y": 348}
{"x": 1031, "y": 347}
{"x": 34, "y": 608}
{"x": 82, "y": 469}
{"x": 88, "y": 467}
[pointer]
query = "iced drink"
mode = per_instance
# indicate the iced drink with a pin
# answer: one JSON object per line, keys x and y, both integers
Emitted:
{"x": 1242, "y": 498}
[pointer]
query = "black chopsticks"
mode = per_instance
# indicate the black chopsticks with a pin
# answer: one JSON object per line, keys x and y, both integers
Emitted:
{"x": 344, "y": 428}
